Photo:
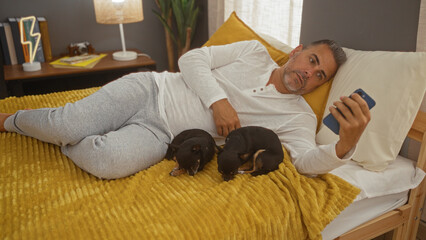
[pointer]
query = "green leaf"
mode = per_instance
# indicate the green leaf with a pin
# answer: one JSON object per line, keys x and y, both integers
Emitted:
{"x": 165, "y": 25}
{"x": 180, "y": 19}
{"x": 164, "y": 6}
{"x": 194, "y": 21}
{"x": 185, "y": 14}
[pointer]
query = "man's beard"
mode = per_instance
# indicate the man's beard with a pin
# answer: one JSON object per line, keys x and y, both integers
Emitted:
{"x": 289, "y": 82}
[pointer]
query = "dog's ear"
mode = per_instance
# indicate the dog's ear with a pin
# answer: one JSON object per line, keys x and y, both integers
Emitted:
{"x": 196, "y": 148}
{"x": 171, "y": 150}
{"x": 173, "y": 147}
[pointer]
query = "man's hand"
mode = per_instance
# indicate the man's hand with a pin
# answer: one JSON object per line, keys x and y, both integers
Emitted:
{"x": 225, "y": 117}
{"x": 353, "y": 121}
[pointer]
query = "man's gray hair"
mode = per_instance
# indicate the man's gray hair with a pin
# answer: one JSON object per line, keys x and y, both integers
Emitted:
{"x": 338, "y": 53}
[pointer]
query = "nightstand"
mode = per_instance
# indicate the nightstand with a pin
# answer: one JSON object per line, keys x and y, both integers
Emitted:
{"x": 50, "y": 79}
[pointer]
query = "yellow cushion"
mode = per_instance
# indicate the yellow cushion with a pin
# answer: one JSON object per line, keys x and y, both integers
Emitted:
{"x": 317, "y": 99}
{"x": 234, "y": 30}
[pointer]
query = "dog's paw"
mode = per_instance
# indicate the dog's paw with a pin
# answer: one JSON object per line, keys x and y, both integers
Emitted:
{"x": 176, "y": 172}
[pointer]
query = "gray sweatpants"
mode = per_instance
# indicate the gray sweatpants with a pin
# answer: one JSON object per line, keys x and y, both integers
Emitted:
{"x": 112, "y": 133}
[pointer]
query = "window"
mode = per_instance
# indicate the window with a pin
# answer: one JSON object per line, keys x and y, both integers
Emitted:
{"x": 280, "y": 19}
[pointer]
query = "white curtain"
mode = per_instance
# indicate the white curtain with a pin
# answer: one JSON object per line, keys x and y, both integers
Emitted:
{"x": 421, "y": 39}
{"x": 421, "y": 33}
{"x": 215, "y": 15}
{"x": 278, "y": 18}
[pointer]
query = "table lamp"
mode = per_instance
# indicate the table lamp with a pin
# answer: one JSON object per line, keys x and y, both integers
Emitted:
{"x": 32, "y": 47}
{"x": 119, "y": 12}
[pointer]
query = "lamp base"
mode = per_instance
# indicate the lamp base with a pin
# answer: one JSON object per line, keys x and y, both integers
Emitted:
{"x": 31, "y": 67}
{"x": 124, "y": 56}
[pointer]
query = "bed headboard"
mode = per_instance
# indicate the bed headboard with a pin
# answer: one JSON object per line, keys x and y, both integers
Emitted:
{"x": 417, "y": 132}
{"x": 389, "y": 25}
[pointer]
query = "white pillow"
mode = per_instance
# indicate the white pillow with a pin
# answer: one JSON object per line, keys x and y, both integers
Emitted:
{"x": 397, "y": 82}
{"x": 401, "y": 175}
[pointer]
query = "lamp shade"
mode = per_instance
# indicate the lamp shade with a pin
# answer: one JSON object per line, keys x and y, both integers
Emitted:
{"x": 118, "y": 11}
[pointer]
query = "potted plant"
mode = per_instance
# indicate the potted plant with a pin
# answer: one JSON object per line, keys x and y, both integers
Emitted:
{"x": 179, "y": 18}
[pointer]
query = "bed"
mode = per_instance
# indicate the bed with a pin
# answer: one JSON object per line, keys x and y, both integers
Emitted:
{"x": 44, "y": 195}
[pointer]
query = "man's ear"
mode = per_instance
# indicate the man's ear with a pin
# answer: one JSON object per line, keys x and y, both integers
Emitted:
{"x": 296, "y": 50}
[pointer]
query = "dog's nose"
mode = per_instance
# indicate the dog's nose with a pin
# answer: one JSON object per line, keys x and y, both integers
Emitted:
{"x": 227, "y": 177}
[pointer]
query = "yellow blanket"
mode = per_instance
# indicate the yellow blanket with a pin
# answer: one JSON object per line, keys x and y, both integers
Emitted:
{"x": 44, "y": 195}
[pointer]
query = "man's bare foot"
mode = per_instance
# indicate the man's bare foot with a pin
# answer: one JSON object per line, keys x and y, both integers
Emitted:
{"x": 3, "y": 117}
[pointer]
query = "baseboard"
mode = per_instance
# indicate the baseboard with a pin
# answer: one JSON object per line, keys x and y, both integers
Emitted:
{"x": 421, "y": 233}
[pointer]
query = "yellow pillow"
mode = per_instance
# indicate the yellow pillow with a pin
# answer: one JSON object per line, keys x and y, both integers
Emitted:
{"x": 317, "y": 99}
{"x": 234, "y": 30}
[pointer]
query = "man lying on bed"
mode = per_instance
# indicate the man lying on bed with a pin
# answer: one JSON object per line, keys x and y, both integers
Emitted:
{"x": 124, "y": 127}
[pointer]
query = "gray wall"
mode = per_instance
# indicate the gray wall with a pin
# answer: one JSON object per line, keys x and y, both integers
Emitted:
{"x": 359, "y": 24}
{"x": 73, "y": 21}
{"x": 362, "y": 24}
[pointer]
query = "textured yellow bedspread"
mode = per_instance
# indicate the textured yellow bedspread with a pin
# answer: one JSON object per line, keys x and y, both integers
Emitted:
{"x": 43, "y": 195}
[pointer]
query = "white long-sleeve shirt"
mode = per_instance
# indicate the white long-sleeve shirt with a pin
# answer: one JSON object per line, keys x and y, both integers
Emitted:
{"x": 240, "y": 72}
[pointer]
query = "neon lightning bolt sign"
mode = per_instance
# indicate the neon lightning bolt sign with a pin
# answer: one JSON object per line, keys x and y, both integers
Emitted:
{"x": 32, "y": 48}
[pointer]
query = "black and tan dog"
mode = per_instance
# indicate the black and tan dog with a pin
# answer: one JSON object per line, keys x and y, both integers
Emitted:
{"x": 252, "y": 149}
{"x": 191, "y": 149}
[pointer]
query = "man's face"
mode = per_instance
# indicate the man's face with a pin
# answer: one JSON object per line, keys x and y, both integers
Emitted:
{"x": 309, "y": 68}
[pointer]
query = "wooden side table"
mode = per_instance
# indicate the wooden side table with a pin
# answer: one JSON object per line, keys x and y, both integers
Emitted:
{"x": 107, "y": 69}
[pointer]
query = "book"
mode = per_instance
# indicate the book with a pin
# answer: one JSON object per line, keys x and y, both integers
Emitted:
{"x": 79, "y": 59}
{"x": 3, "y": 87}
{"x": 39, "y": 52}
{"x": 14, "y": 26}
{"x": 10, "y": 43}
{"x": 82, "y": 61}
{"x": 44, "y": 31}
{"x": 25, "y": 48}
{"x": 3, "y": 42}
{"x": 91, "y": 65}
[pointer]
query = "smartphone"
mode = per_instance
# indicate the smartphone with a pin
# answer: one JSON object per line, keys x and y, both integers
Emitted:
{"x": 333, "y": 124}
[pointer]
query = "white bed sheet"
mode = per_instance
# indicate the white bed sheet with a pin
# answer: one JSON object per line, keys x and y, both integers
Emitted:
{"x": 399, "y": 176}
{"x": 362, "y": 211}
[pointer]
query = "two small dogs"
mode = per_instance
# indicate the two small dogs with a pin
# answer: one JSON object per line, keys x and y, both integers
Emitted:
{"x": 254, "y": 150}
